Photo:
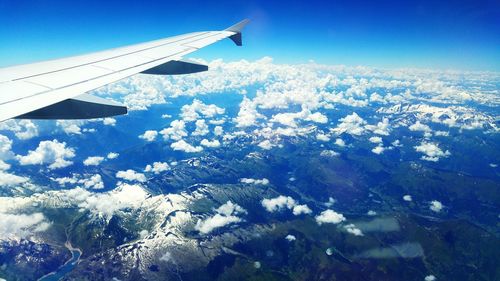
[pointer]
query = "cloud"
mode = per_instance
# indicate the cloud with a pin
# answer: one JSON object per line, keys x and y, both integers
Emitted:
{"x": 281, "y": 202}
{"x": 329, "y": 153}
{"x": 329, "y": 216}
{"x": 378, "y": 149}
{"x": 157, "y": 167}
{"x": 71, "y": 127}
{"x": 108, "y": 121}
{"x": 263, "y": 181}
{"x": 290, "y": 238}
{"x": 382, "y": 128}
{"x": 322, "y": 137}
{"x": 351, "y": 124}
{"x": 218, "y": 131}
{"x": 112, "y": 155}
{"x": 430, "y": 278}
{"x": 176, "y": 131}
{"x": 94, "y": 182}
{"x": 351, "y": 228}
{"x": 407, "y": 198}
{"x": 182, "y": 145}
{"x": 226, "y": 214}
{"x": 375, "y": 140}
{"x": 420, "y": 127}
{"x": 93, "y": 161}
{"x": 340, "y": 142}
{"x": 301, "y": 209}
{"x": 248, "y": 114}
{"x": 207, "y": 143}
{"x": 436, "y": 206}
{"x": 201, "y": 128}
{"x": 149, "y": 135}
{"x": 107, "y": 204}
{"x": 131, "y": 175}
{"x": 5, "y": 148}
{"x": 87, "y": 181}
{"x": 15, "y": 226}
{"x": 7, "y": 179}
{"x": 266, "y": 144}
{"x": 278, "y": 203}
{"x": 23, "y": 129}
{"x": 53, "y": 152}
{"x": 432, "y": 151}
{"x": 198, "y": 109}
{"x": 4, "y": 166}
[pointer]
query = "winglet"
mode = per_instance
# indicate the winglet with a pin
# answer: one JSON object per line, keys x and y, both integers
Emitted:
{"x": 237, "y": 29}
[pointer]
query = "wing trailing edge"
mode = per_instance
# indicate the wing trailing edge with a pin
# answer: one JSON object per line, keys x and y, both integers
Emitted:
{"x": 81, "y": 107}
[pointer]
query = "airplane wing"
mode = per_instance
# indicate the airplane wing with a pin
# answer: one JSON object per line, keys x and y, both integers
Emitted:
{"x": 57, "y": 89}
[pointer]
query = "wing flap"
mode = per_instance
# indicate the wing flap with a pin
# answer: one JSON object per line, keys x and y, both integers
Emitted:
{"x": 176, "y": 67}
{"x": 82, "y": 107}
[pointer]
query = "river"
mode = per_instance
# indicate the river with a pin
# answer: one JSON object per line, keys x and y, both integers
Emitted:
{"x": 65, "y": 268}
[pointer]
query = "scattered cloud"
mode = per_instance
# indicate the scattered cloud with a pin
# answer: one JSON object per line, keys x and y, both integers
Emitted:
{"x": 131, "y": 175}
{"x": 23, "y": 129}
{"x": 351, "y": 124}
{"x": 329, "y": 216}
{"x": 431, "y": 151}
{"x": 157, "y": 167}
{"x": 340, "y": 142}
{"x": 351, "y": 228}
{"x": 322, "y": 137}
{"x": 207, "y": 143}
{"x": 378, "y": 149}
{"x": 93, "y": 161}
{"x": 54, "y": 153}
{"x": 112, "y": 155}
{"x": 10, "y": 180}
{"x": 15, "y": 226}
{"x": 197, "y": 109}
{"x": 436, "y": 206}
{"x": 266, "y": 144}
{"x": 281, "y": 202}
{"x": 301, "y": 209}
{"x": 430, "y": 278}
{"x": 108, "y": 121}
{"x": 201, "y": 128}
{"x": 176, "y": 131}
{"x": 149, "y": 135}
{"x": 262, "y": 181}
{"x": 329, "y": 153}
{"x": 278, "y": 203}
{"x": 226, "y": 214}
{"x": 375, "y": 140}
{"x": 182, "y": 145}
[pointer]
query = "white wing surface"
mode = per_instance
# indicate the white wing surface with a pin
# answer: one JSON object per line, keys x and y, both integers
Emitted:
{"x": 56, "y": 89}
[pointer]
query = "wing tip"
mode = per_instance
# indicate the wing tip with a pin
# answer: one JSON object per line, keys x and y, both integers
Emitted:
{"x": 238, "y": 27}
{"x": 236, "y": 37}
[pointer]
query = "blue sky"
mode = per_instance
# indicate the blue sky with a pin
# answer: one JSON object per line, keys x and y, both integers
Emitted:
{"x": 462, "y": 34}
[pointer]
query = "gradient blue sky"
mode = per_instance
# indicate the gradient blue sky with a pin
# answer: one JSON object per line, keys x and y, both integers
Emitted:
{"x": 462, "y": 34}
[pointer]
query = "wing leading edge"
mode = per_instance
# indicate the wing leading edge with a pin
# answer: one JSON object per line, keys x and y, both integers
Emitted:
{"x": 56, "y": 89}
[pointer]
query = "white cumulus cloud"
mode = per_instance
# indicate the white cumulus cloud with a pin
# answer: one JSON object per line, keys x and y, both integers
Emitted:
{"x": 182, "y": 145}
{"x": 53, "y": 152}
{"x": 93, "y": 161}
{"x": 329, "y": 216}
{"x": 131, "y": 175}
